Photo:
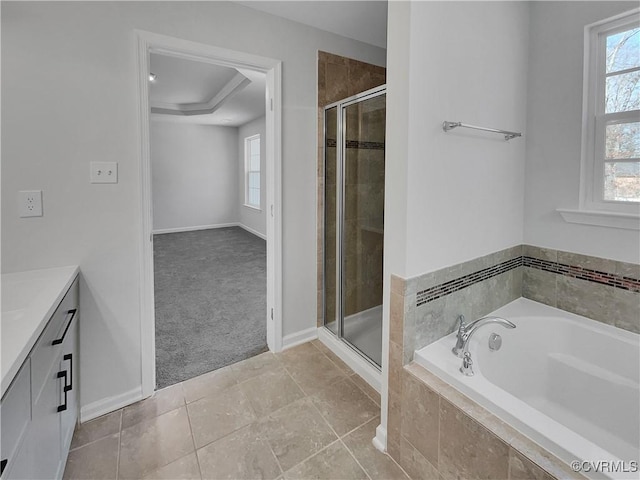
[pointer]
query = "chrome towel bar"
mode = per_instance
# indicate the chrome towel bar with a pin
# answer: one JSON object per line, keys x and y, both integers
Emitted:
{"x": 446, "y": 126}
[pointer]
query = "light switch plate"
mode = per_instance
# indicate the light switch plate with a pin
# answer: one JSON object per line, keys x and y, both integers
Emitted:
{"x": 104, "y": 172}
{"x": 30, "y": 203}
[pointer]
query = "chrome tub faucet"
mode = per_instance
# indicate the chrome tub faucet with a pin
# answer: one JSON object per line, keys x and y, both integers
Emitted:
{"x": 466, "y": 331}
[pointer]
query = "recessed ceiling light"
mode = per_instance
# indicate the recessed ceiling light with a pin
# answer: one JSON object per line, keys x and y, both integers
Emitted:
{"x": 152, "y": 77}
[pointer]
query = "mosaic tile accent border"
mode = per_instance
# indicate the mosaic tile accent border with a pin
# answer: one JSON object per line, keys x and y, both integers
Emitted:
{"x": 581, "y": 273}
{"x": 595, "y": 276}
{"x": 465, "y": 281}
{"x": 357, "y": 144}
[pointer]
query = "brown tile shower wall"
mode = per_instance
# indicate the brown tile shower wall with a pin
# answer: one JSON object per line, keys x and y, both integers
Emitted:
{"x": 429, "y": 422}
{"x": 364, "y": 207}
{"x": 339, "y": 78}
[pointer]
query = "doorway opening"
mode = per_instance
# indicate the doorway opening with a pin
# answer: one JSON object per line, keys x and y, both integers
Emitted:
{"x": 202, "y": 254}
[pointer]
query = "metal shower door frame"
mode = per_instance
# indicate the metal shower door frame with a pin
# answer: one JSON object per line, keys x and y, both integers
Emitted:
{"x": 341, "y": 143}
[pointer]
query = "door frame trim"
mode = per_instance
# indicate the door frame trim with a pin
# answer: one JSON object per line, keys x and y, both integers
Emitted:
{"x": 147, "y": 42}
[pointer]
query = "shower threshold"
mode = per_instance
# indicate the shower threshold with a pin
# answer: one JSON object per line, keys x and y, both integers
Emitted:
{"x": 363, "y": 330}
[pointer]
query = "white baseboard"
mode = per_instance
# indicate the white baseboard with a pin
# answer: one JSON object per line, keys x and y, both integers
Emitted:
{"x": 193, "y": 229}
{"x": 380, "y": 440}
{"x": 110, "y": 404}
{"x": 299, "y": 338}
{"x": 252, "y": 231}
{"x": 366, "y": 370}
{"x": 160, "y": 231}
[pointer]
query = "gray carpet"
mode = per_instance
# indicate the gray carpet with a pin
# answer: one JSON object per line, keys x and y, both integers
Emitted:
{"x": 210, "y": 299}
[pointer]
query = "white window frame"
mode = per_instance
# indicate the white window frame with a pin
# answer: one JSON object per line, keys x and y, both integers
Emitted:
{"x": 248, "y": 171}
{"x": 595, "y": 120}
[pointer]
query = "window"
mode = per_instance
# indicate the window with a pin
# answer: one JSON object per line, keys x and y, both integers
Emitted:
{"x": 611, "y": 138}
{"x": 252, "y": 171}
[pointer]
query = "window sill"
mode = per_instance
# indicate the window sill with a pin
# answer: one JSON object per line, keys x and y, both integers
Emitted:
{"x": 627, "y": 221}
{"x": 252, "y": 207}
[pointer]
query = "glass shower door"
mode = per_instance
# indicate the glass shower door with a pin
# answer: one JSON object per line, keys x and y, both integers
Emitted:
{"x": 363, "y": 126}
{"x": 331, "y": 273}
{"x": 354, "y": 143}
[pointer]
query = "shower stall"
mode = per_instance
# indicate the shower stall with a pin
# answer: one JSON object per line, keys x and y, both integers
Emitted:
{"x": 354, "y": 148}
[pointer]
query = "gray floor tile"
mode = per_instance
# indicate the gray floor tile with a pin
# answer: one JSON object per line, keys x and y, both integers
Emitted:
{"x": 96, "y": 429}
{"x": 314, "y": 372}
{"x": 209, "y": 384}
{"x": 344, "y": 406}
{"x": 244, "y": 454}
{"x": 162, "y": 401}
{"x": 185, "y": 468}
{"x": 335, "y": 462}
{"x": 252, "y": 367}
{"x": 154, "y": 443}
{"x": 216, "y": 416}
{"x": 296, "y": 432}
{"x": 250, "y": 420}
{"x": 378, "y": 465}
{"x": 97, "y": 460}
{"x": 270, "y": 391}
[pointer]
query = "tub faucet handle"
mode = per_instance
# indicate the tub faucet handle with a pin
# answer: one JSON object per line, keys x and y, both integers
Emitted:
{"x": 462, "y": 327}
{"x": 467, "y": 365}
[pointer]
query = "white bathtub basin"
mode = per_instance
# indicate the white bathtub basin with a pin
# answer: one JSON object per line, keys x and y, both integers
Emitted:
{"x": 569, "y": 383}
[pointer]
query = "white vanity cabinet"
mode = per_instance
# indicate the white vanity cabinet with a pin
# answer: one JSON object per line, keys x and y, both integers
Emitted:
{"x": 46, "y": 389}
{"x": 15, "y": 412}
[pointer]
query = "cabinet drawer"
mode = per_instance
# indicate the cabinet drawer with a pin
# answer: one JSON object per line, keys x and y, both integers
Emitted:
{"x": 47, "y": 349}
{"x": 69, "y": 364}
{"x": 15, "y": 411}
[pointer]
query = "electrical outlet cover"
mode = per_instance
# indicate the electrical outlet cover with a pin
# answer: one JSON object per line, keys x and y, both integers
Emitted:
{"x": 30, "y": 203}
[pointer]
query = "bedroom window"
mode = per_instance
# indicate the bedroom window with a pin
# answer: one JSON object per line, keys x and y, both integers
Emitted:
{"x": 252, "y": 171}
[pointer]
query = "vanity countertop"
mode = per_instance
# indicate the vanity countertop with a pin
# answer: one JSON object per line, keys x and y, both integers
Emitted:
{"x": 29, "y": 299}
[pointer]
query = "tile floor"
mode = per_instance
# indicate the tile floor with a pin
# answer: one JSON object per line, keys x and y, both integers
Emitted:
{"x": 300, "y": 414}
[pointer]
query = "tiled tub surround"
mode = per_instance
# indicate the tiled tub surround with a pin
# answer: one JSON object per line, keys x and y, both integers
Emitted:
{"x": 476, "y": 288}
{"x": 426, "y": 308}
{"x": 444, "y": 435}
{"x": 339, "y": 78}
{"x": 597, "y": 288}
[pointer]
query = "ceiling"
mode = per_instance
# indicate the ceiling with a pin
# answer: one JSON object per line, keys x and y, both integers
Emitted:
{"x": 363, "y": 20}
{"x": 187, "y": 91}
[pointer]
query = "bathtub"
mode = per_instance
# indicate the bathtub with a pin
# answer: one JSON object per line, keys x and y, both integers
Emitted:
{"x": 569, "y": 383}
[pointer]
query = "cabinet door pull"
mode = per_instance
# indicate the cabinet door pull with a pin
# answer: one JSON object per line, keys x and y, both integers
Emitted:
{"x": 63, "y": 407}
{"x": 3, "y": 465}
{"x": 58, "y": 341}
{"x": 69, "y": 356}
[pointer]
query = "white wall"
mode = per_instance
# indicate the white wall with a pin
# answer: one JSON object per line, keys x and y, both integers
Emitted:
{"x": 450, "y": 197}
{"x": 251, "y": 218}
{"x": 395, "y": 175}
{"x": 69, "y": 97}
{"x": 466, "y": 61}
{"x": 194, "y": 175}
{"x": 554, "y": 129}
